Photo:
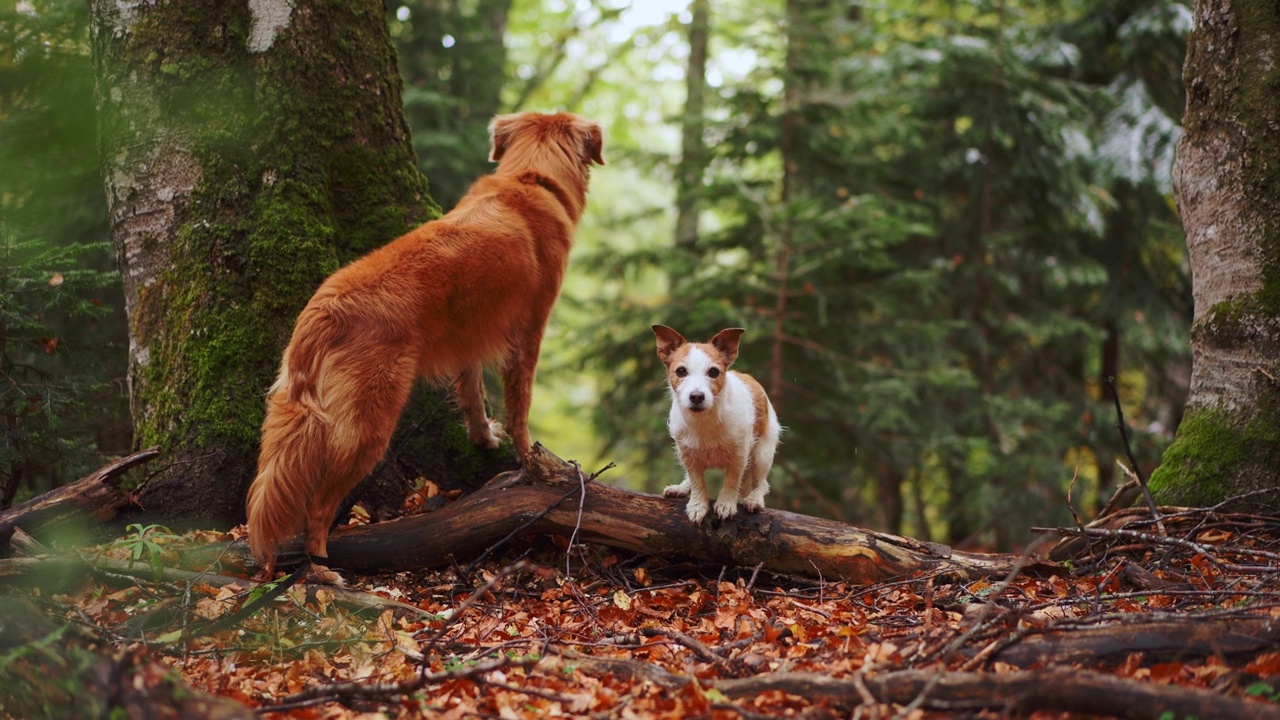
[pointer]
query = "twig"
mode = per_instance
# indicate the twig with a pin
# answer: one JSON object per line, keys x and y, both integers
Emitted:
{"x": 346, "y": 692}
{"x": 702, "y": 651}
{"x": 1175, "y": 541}
{"x": 1075, "y": 475}
{"x": 577, "y": 525}
{"x": 1124, "y": 436}
{"x": 868, "y": 700}
{"x": 458, "y": 612}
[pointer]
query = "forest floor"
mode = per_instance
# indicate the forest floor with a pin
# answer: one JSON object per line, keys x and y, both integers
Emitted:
{"x": 1135, "y": 624}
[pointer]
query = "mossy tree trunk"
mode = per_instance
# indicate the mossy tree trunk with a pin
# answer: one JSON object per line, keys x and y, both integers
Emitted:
{"x": 1227, "y": 183}
{"x": 248, "y": 150}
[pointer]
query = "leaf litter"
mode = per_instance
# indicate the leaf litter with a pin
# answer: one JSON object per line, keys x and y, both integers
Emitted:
{"x": 632, "y": 636}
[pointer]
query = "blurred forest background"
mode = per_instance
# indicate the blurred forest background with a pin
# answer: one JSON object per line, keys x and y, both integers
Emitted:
{"x": 943, "y": 224}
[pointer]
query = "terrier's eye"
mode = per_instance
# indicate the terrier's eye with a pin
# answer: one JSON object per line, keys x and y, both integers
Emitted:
{"x": 713, "y": 373}
{"x": 681, "y": 372}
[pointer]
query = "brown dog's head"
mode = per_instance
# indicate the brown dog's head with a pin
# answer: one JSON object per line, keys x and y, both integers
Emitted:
{"x": 696, "y": 371}
{"x": 559, "y": 147}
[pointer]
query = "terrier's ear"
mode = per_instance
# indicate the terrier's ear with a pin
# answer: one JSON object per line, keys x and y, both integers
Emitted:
{"x": 668, "y": 342}
{"x": 593, "y": 142}
{"x": 501, "y": 127}
{"x": 726, "y": 341}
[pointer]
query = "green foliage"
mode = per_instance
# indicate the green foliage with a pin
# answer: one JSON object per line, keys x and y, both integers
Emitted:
{"x": 62, "y": 329}
{"x": 922, "y": 218}
{"x": 41, "y": 678}
{"x": 146, "y": 541}
{"x": 453, "y": 62}
{"x": 53, "y": 392}
{"x": 1263, "y": 690}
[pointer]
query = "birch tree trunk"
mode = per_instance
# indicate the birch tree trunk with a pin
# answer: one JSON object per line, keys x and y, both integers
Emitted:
{"x": 1227, "y": 184}
{"x": 248, "y": 150}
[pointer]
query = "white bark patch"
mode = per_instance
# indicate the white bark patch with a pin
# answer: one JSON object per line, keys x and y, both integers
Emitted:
{"x": 126, "y": 11}
{"x": 268, "y": 18}
{"x": 145, "y": 189}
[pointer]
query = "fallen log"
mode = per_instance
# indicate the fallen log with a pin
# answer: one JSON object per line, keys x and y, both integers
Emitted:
{"x": 551, "y": 496}
{"x": 95, "y": 497}
{"x": 1060, "y": 689}
{"x": 1055, "y": 689}
{"x": 1195, "y": 636}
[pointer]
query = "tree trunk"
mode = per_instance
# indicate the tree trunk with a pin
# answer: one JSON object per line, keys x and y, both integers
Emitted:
{"x": 693, "y": 154}
{"x": 248, "y": 150}
{"x": 1227, "y": 186}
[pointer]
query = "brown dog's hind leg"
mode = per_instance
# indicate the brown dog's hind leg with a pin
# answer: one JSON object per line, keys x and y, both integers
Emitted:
{"x": 481, "y": 429}
{"x": 365, "y": 402}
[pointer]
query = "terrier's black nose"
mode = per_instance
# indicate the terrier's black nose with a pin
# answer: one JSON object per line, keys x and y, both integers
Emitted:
{"x": 696, "y": 397}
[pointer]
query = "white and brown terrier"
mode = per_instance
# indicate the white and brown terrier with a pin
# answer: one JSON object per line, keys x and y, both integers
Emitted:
{"x": 719, "y": 419}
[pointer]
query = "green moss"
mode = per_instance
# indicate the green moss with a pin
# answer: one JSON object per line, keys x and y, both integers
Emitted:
{"x": 1213, "y": 449}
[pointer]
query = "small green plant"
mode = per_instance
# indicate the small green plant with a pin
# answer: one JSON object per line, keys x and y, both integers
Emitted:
{"x": 1263, "y": 690}
{"x": 146, "y": 541}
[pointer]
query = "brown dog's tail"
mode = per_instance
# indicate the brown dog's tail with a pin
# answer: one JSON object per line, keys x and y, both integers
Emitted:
{"x": 292, "y": 460}
{"x": 301, "y": 367}
{"x": 290, "y": 463}
{"x": 288, "y": 466}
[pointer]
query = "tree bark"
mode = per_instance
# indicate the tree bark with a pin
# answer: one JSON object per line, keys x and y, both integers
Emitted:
{"x": 544, "y": 499}
{"x": 248, "y": 150}
{"x": 1228, "y": 190}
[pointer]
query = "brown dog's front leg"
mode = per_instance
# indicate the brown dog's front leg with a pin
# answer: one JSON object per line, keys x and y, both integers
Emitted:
{"x": 517, "y": 389}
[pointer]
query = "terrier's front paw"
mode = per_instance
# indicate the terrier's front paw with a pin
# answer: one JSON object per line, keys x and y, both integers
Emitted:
{"x": 488, "y": 438}
{"x": 676, "y": 491}
{"x": 696, "y": 510}
{"x": 753, "y": 505}
{"x": 726, "y": 508}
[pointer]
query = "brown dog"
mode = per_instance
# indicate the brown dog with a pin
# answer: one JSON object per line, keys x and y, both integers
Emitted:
{"x": 474, "y": 287}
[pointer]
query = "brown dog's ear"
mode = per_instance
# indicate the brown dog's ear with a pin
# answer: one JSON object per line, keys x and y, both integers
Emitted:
{"x": 592, "y": 140}
{"x": 668, "y": 341}
{"x": 500, "y": 129}
{"x": 726, "y": 341}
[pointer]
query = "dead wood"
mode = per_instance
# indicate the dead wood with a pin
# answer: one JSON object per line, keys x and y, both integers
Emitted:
{"x": 1055, "y": 689}
{"x": 544, "y": 499}
{"x": 94, "y": 498}
{"x": 1194, "y": 636}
